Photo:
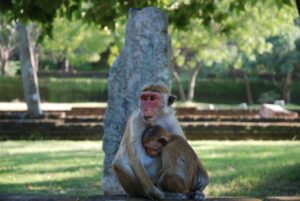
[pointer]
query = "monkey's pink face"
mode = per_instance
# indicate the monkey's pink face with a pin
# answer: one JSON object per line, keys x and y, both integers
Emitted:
{"x": 150, "y": 106}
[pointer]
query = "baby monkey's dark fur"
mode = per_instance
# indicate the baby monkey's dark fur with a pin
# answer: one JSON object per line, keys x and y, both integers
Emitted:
{"x": 181, "y": 170}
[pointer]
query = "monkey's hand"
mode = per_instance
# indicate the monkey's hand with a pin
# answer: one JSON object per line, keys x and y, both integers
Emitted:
{"x": 155, "y": 194}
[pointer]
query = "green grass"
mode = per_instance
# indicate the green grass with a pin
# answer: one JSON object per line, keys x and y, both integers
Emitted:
{"x": 239, "y": 168}
{"x": 51, "y": 167}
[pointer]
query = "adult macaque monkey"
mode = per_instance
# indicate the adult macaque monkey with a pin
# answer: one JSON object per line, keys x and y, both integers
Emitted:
{"x": 181, "y": 170}
{"x": 134, "y": 169}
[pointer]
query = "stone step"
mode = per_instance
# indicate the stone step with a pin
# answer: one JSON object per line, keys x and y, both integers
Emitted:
{"x": 68, "y": 130}
{"x": 283, "y": 198}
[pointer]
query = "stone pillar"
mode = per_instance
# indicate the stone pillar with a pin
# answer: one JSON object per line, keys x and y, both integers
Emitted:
{"x": 145, "y": 58}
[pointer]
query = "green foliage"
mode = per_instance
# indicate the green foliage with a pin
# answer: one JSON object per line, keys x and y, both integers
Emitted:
{"x": 95, "y": 90}
{"x": 233, "y": 91}
{"x": 57, "y": 90}
{"x": 259, "y": 22}
{"x": 198, "y": 43}
{"x": 14, "y": 68}
{"x": 77, "y": 42}
{"x": 268, "y": 97}
{"x": 73, "y": 90}
{"x": 228, "y": 32}
{"x": 7, "y": 31}
{"x": 106, "y": 13}
{"x": 35, "y": 10}
{"x": 10, "y": 89}
{"x": 234, "y": 42}
{"x": 211, "y": 44}
{"x": 284, "y": 55}
{"x": 75, "y": 168}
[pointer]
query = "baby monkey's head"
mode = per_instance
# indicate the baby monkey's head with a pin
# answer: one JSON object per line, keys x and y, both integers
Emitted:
{"x": 154, "y": 139}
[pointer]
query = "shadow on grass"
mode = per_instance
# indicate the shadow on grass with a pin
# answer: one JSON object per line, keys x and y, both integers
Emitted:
{"x": 236, "y": 169}
{"x": 66, "y": 172}
{"x": 254, "y": 171}
{"x": 81, "y": 186}
{"x": 284, "y": 181}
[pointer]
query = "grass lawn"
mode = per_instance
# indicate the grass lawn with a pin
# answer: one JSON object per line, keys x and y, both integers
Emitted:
{"x": 236, "y": 168}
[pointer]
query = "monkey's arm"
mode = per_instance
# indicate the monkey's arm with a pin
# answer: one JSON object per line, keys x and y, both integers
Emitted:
{"x": 135, "y": 155}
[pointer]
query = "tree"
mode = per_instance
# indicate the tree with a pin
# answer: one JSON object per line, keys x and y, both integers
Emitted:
{"x": 7, "y": 43}
{"x": 280, "y": 62}
{"x": 197, "y": 47}
{"x": 28, "y": 72}
{"x": 232, "y": 43}
{"x": 34, "y": 34}
{"x": 256, "y": 25}
{"x": 107, "y": 13}
{"x": 74, "y": 43}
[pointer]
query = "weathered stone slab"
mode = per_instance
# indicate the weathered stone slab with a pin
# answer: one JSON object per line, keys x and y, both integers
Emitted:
{"x": 144, "y": 59}
{"x": 283, "y": 198}
{"x": 271, "y": 111}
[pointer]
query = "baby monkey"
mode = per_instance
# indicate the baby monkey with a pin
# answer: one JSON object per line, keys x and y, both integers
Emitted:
{"x": 181, "y": 170}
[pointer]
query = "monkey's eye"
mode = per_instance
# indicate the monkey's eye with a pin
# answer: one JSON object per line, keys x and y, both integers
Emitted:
{"x": 152, "y": 98}
{"x": 144, "y": 97}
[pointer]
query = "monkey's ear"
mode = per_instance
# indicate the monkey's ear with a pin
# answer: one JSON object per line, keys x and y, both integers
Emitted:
{"x": 163, "y": 141}
{"x": 171, "y": 100}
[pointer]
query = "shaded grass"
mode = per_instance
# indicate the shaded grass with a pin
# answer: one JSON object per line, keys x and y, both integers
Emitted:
{"x": 244, "y": 168}
{"x": 51, "y": 167}
{"x": 252, "y": 168}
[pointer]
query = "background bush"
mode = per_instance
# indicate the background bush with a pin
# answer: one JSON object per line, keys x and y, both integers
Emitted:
{"x": 95, "y": 90}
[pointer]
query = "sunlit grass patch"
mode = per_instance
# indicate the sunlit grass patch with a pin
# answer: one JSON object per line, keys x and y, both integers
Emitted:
{"x": 236, "y": 168}
{"x": 54, "y": 167}
{"x": 251, "y": 168}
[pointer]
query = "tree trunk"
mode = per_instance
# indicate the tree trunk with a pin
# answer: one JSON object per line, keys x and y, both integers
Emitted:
{"x": 29, "y": 75}
{"x": 36, "y": 55}
{"x": 104, "y": 56}
{"x": 298, "y": 6}
{"x": 287, "y": 87}
{"x": 5, "y": 66}
{"x": 145, "y": 58}
{"x": 182, "y": 95}
{"x": 192, "y": 82}
{"x": 6, "y": 49}
{"x": 248, "y": 89}
{"x": 5, "y": 62}
{"x": 66, "y": 65}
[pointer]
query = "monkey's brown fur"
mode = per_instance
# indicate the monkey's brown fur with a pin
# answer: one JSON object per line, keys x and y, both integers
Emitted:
{"x": 156, "y": 88}
{"x": 132, "y": 166}
{"x": 181, "y": 167}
